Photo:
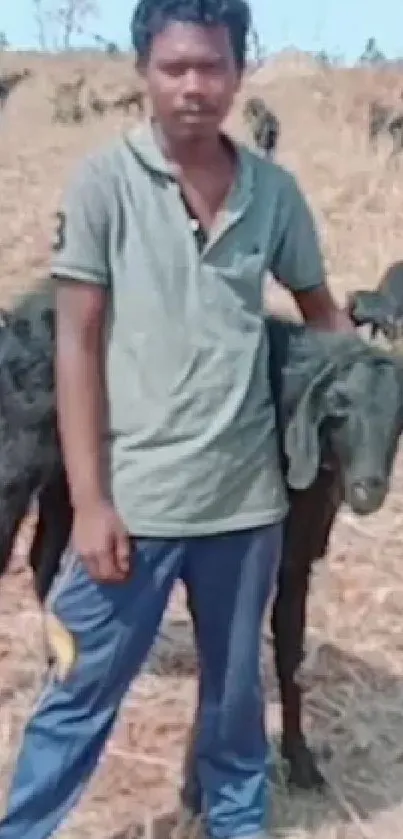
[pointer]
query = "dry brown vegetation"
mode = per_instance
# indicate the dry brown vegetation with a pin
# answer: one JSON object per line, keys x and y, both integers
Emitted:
{"x": 354, "y": 668}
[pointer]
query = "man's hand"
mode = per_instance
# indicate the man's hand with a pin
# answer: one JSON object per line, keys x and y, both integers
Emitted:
{"x": 102, "y": 541}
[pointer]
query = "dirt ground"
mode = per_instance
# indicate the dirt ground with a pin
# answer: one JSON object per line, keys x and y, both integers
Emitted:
{"x": 353, "y": 671}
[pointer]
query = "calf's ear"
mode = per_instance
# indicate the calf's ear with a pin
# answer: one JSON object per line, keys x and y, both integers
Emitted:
{"x": 301, "y": 438}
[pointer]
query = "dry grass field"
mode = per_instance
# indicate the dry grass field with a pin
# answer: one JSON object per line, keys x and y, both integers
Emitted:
{"x": 354, "y": 668}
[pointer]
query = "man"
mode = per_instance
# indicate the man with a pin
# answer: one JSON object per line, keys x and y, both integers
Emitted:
{"x": 166, "y": 419}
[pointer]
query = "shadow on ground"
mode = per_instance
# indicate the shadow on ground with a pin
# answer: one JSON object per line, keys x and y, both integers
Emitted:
{"x": 353, "y": 712}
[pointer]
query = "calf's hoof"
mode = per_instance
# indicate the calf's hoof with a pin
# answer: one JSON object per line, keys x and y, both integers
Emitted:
{"x": 304, "y": 772}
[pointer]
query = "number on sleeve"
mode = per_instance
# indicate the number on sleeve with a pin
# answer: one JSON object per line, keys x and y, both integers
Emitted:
{"x": 60, "y": 233}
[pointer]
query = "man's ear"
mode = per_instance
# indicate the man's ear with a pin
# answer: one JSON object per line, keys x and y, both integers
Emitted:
{"x": 240, "y": 78}
{"x": 140, "y": 66}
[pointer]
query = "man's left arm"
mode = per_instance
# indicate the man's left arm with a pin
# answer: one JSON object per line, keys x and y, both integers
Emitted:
{"x": 299, "y": 266}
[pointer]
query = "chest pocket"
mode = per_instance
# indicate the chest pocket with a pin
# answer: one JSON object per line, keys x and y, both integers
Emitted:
{"x": 242, "y": 282}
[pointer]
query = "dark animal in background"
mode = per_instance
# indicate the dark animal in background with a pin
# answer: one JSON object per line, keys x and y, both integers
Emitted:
{"x": 67, "y": 105}
{"x": 377, "y": 120}
{"x": 321, "y": 382}
{"x": 101, "y": 106}
{"x": 395, "y": 129}
{"x": 96, "y": 104}
{"x": 126, "y": 100}
{"x": 384, "y": 120}
{"x": 263, "y": 123}
{"x": 8, "y": 82}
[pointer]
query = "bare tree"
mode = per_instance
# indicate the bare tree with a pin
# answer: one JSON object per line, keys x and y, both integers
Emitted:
{"x": 40, "y": 16}
{"x": 67, "y": 104}
{"x": 69, "y": 15}
{"x": 372, "y": 54}
{"x": 257, "y": 48}
{"x": 110, "y": 47}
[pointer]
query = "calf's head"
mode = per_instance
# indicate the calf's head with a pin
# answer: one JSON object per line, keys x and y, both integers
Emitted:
{"x": 350, "y": 417}
{"x": 364, "y": 426}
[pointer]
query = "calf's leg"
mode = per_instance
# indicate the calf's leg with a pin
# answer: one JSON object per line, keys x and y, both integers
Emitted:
{"x": 14, "y": 504}
{"x": 288, "y": 625}
{"x": 311, "y": 517}
{"x": 51, "y": 535}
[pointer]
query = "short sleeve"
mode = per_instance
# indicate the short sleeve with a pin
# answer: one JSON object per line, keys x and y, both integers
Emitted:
{"x": 81, "y": 237}
{"x": 297, "y": 261}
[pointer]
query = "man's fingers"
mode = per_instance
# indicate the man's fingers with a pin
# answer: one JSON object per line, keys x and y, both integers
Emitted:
{"x": 103, "y": 568}
{"x": 123, "y": 553}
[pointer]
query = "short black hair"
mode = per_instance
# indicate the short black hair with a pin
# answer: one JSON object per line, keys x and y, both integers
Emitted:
{"x": 151, "y": 16}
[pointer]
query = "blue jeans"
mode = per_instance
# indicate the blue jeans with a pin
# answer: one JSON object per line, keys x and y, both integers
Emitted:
{"x": 229, "y": 579}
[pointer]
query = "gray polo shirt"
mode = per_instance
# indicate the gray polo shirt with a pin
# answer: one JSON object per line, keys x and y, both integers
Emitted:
{"x": 190, "y": 443}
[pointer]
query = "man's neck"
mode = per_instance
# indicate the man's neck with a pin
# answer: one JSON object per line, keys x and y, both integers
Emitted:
{"x": 206, "y": 152}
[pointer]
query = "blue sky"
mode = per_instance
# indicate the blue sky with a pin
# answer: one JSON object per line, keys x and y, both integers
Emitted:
{"x": 338, "y": 26}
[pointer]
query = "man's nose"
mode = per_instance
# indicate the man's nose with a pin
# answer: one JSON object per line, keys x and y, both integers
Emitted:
{"x": 193, "y": 83}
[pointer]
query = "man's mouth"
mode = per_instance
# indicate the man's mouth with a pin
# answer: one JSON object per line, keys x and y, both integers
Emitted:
{"x": 194, "y": 114}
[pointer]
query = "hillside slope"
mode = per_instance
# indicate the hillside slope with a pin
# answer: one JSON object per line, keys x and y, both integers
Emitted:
{"x": 354, "y": 672}
{"x": 357, "y": 201}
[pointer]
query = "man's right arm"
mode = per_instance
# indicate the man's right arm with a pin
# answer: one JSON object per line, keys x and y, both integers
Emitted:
{"x": 80, "y": 267}
{"x": 299, "y": 266}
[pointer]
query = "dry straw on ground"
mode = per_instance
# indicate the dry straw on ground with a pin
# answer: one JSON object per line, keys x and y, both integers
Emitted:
{"x": 354, "y": 668}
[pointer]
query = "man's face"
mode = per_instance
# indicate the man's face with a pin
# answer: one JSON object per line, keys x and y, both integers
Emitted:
{"x": 192, "y": 79}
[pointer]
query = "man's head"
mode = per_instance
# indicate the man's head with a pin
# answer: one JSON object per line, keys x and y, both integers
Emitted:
{"x": 192, "y": 54}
